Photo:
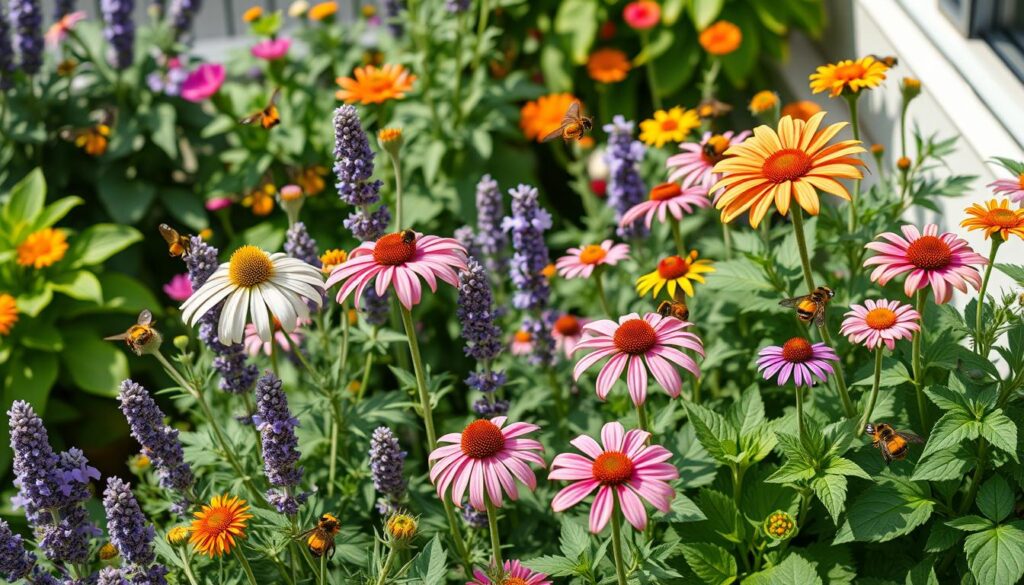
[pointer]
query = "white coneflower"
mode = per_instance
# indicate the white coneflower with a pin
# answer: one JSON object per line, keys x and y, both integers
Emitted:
{"x": 255, "y": 282}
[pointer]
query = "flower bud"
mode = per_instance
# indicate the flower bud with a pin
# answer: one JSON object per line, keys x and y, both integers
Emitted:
{"x": 178, "y": 535}
{"x": 181, "y": 342}
{"x": 390, "y": 139}
{"x": 291, "y": 199}
{"x": 779, "y": 525}
{"x": 903, "y": 164}
{"x": 401, "y": 527}
{"x": 911, "y": 88}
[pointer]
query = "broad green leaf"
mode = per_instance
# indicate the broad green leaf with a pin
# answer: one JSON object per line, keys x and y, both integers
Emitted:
{"x": 739, "y": 64}
{"x": 885, "y": 511}
{"x": 1001, "y": 432}
{"x": 792, "y": 471}
{"x": 1014, "y": 271}
{"x": 78, "y": 284}
{"x": 922, "y": 574}
{"x": 713, "y": 432}
{"x": 96, "y": 366}
{"x": 831, "y": 490}
{"x": 995, "y": 498}
{"x": 996, "y": 556}
{"x": 185, "y": 206}
{"x": 949, "y": 431}
{"x": 793, "y": 570}
{"x": 97, "y": 243}
{"x": 704, "y": 12}
{"x": 554, "y": 566}
{"x": 164, "y": 134}
{"x": 684, "y": 510}
{"x": 27, "y": 199}
{"x": 836, "y": 465}
{"x": 578, "y": 20}
{"x": 712, "y": 563}
{"x": 670, "y": 11}
{"x": 125, "y": 199}
{"x": 947, "y": 398}
{"x": 126, "y": 294}
{"x": 430, "y": 567}
{"x": 970, "y": 523}
{"x": 950, "y": 463}
{"x": 742, "y": 276}
{"x": 941, "y": 538}
{"x": 574, "y": 539}
{"x": 747, "y": 414}
{"x": 55, "y": 212}
{"x": 42, "y": 336}
{"x": 722, "y": 515}
{"x": 33, "y": 302}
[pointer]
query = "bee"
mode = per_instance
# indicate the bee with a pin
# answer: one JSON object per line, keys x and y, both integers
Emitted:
{"x": 92, "y": 139}
{"x": 889, "y": 61}
{"x": 893, "y": 444}
{"x": 268, "y": 117}
{"x": 675, "y": 308}
{"x": 714, "y": 148}
{"x": 811, "y": 307}
{"x": 177, "y": 244}
{"x": 320, "y": 538}
{"x": 574, "y": 125}
{"x": 712, "y": 108}
{"x": 142, "y": 336}
{"x": 408, "y": 236}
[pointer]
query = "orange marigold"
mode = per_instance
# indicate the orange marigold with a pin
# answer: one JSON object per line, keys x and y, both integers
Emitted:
{"x": 43, "y": 248}
{"x": 218, "y": 524}
{"x": 373, "y": 85}
{"x": 544, "y": 115}
{"x": 995, "y": 217}
{"x": 721, "y": 38}
{"x": 608, "y": 65}
{"x": 801, "y": 110}
{"x": 322, "y": 11}
{"x": 8, "y": 313}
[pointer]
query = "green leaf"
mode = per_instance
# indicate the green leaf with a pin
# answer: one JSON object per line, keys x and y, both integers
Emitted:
{"x": 79, "y": 284}
{"x": 739, "y": 64}
{"x": 941, "y": 538}
{"x": 27, "y": 198}
{"x": 670, "y": 11}
{"x": 741, "y": 276}
{"x": 553, "y": 565}
{"x": 42, "y": 336}
{"x": 969, "y": 523}
{"x": 684, "y": 510}
{"x": 33, "y": 302}
{"x": 747, "y": 414}
{"x": 574, "y": 540}
{"x": 430, "y": 566}
{"x": 712, "y": 563}
{"x": 713, "y": 432}
{"x": 944, "y": 465}
{"x": 126, "y": 294}
{"x": 996, "y": 556}
{"x": 722, "y": 514}
{"x": 1001, "y": 432}
{"x": 995, "y": 498}
{"x": 831, "y": 490}
{"x": 95, "y": 365}
{"x": 125, "y": 199}
{"x": 947, "y": 398}
{"x": 704, "y": 12}
{"x": 885, "y": 511}
{"x": 164, "y": 135}
{"x": 949, "y": 431}
{"x": 922, "y": 574}
{"x": 836, "y": 465}
{"x": 97, "y": 243}
{"x": 793, "y": 570}
{"x": 185, "y": 206}
{"x": 1014, "y": 271}
{"x": 577, "y": 19}
{"x": 55, "y": 212}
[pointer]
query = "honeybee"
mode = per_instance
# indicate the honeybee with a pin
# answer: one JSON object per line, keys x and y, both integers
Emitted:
{"x": 893, "y": 444}
{"x": 320, "y": 538}
{"x": 141, "y": 336}
{"x": 889, "y": 61}
{"x": 811, "y": 307}
{"x": 268, "y": 117}
{"x": 675, "y": 308}
{"x": 408, "y": 236}
{"x": 574, "y": 125}
{"x": 177, "y": 244}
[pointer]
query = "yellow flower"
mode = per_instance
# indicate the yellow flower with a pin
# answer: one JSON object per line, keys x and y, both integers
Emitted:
{"x": 673, "y": 125}
{"x": 261, "y": 200}
{"x": 608, "y": 65}
{"x": 674, "y": 272}
{"x": 373, "y": 85}
{"x": 43, "y": 248}
{"x": 848, "y": 77}
{"x": 721, "y": 38}
{"x": 763, "y": 101}
{"x": 8, "y": 313}
{"x": 177, "y": 535}
{"x": 322, "y": 10}
{"x": 330, "y": 259}
{"x": 253, "y": 13}
{"x": 775, "y": 166}
{"x": 107, "y": 552}
{"x": 995, "y": 217}
{"x": 401, "y": 527}
{"x": 542, "y": 116}
{"x": 218, "y": 524}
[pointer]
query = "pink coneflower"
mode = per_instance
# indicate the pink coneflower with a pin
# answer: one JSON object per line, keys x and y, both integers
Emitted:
{"x": 271, "y": 49}
{"x": 878, "y": 322}
{"x": 485, "y": 458}
{"x": 515, "y": 574}
{"x": 797, "y": 359}
{"x": 179, "y": 288}
{"x": 254, "y": 345}
{"x": 58, "y": 31}
{"x": 568, "y": 331}
{"x": 581, "y": 262}
{"x": 218, "y": 203}
{"x": 634, "y": 341}
{"x": 625, "y": 466}
{"x": 942, "y": 261}
{"x": 203, "y": 83}
{"x": 1012, "y": 188}
{"x": 400, "y": 259}
{"x": 664, "y": 198}
{"x": 693, "y": 167}
{"x": 522, "y": 343}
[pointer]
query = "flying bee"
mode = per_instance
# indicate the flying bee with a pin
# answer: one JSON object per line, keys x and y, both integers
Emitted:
{"x": 893, "y": 444}
{"x": 177, "y": 244}
{"x": 574, "y": 125}
{"x": 268, "y": 117}
{"x": 811, "y": 307}
{"x": 142, "y": 337}
{"x": 676, "y": 308}
{"x": 889, "y": 61}
{"x": 320, "y": 538}
{"x": 408, "y": 236}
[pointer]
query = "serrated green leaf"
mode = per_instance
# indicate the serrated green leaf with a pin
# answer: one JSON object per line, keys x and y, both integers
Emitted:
{"x": 712, "y": 563}
{"x": 922, "y": 574}
{"x": 944, "y": 465}
{"x": 941, "y": 538}
{"x": 747, "y": 414}
{"x": 684, "y": 510}
{"x": 1000, "y": 432}
{"x": 995, "y": 498}
{"x": 574, "y": 540}
{"x": 949, "y": 431}
{"x": 885, "y": 511}
{"x": 969, "y": 523}
{"x": 742, "y": 276}
{"x": 793, "y": 570}
{"x": 996, "y": 556}
{"x": 831, "y": 491}
{"x": 553, "y": 565}
{"x": 947, "y": 398}
{"x": 722, "y": 515}
{"x": 430, "y": 566}
{"x": 836, "y": 465}
{"x": 713, "y": 432}
{"x": 1014, "y": 271}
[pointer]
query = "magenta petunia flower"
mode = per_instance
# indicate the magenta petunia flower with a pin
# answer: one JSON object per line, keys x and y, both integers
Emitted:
{"x": 514, "y": 574}
{"x": 653, "y": 340}
{"x": 203, "y": 83}
{"x": 218, "y": 203}
{"x": 568, "y": 332}
{"x": 880, "y": 322}
{"x": 943, "y": 261}
{"x": 797, "y": 359}
{"x": 399, "y": 260}
{"x": 271, "y": 49}
{"x": 667, "y": 198}
{"x": 179, "y": 288}
{"x": 581, "y": 262}
{"x": 693, "y": 166}
{"x": 254, "y": 345}
{"x": 486, "y": 458}
{"x": 1012, "y": 188}
{"x": 624, "y": 466}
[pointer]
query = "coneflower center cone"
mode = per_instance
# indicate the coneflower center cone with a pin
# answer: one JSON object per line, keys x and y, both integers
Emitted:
{"x": 513, "y": 581}
{"x": 592, "y": 254}
{"x": 393, "y": 249}
{"x": 797, "y": 350}
{"x": 880, "y": 318}
{"x": 567, "y": 325}
{"x": 929, "y": 253}
{"x": 250, "y": 266}
{"x": 786, "y": 165}
{"x": 482, "y": 439}
{"x": 665, "y": 191}
{"x": 612, "y": 468}
{"x": 635, "y": 337}
{"x": 1004, "y": 218}
{"x": 673, "y": 267}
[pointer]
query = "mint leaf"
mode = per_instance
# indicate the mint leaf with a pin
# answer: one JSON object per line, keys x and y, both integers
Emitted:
{"x": 996, "y": 556}
{"x": 969, "y": 523}
{"x": 1001, "y": 432}
{"x": 949, "y": 431}
{"x": 791, "y": 571}
{"x": 713, "y": 432}
{"x": 944, "y": 465}
{"x": 712, "y": 563}
{"x": 831, "y": 490}
{"x": 885, "y": 511}
{"x": 995, "y": 498}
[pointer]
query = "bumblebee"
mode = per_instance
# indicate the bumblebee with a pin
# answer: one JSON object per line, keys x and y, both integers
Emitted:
{"x": 320, "y": 538}
{"x": 142, "y": 336}
{"x": 811, "y": 307}
{"x": 408, "y": 236}
{"x": 268, "y": 117}
{"x": 889, "y": 61}
{"x": 675, "y": 308}
{"x": 893, "y": 444}
{"x": 714, "y": 148}
{"x": 574, "y": 125}
{"x": 177, "y": 244}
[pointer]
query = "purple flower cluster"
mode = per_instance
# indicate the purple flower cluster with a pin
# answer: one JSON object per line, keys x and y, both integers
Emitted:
{"x": 183, "y": 12}
{"x": 467, "y": 238}
{"x": 353, "y": 165}
{"x": 280, "y": 445}
{"x": 119, "y": 30}
{"x": 543, "y": 353}
{"x": 457, "y": 6}
{"x": 236, "y": 375}
{"x": 131, "y": 534}
{"x": 490, "y": 236}
{"x": 111, "y": 576}
{"x": 27, "y": 19}
{"x": 527, "y": 224}
{"x": 472, "y": 517}
{"x": 387, "y": 464}
{"x": 300, "y": 245}
{"x": 15, "y": 561}
{"x": 368, "y": 225}
{"x": 167, "y": 82}
{"x": 476, "y": 313}
{"x": 625, "y": 186}
{"x": 374, "y": 307}
{"x": 6, "y": 53}
{"x": 159, "y": 442}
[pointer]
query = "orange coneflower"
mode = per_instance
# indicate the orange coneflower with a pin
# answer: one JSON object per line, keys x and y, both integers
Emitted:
{"x": 763, "y": 101}
{"x": 373, "y": 85}
{"x": 322, "y": 10}
{"x": 542, "y": 116}
{"x": 801, "y": 110}
{"x": 849, "y": 76}
{"x": 217, "y": 524}
{"x": 721, "y": 38}
{"x": 608, "y": 65}
{"x": 995, "y": 217}
{"x": 8, "y": 313}
{"x": 776, "y": 166}
{"x": 43, "y": 248}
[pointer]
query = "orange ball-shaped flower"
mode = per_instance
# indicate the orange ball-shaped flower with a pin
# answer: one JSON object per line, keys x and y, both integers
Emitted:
{"x": 721, "y": 38}
{"x": 608, "y": 65}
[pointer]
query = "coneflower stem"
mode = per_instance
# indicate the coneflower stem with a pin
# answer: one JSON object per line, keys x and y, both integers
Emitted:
{"x": 492, "y": 523}
{"x": 851, "y": 100}
{"x": 620, "y": 565}
{"x": 641, "y": 417}
{"x": 866, "y": 418}
{"x": 599, "y": 284}
{"x": 997, "y": 240}
{"x": 388, "y": 561}
{"x": 922, "y": 406}
{"x": 186, "y": 566}
{"x": 678, "y": 237}
{"x": 323, "y": 569}
{"x": 245, "y": 565}
{"x": 800, "y": 413}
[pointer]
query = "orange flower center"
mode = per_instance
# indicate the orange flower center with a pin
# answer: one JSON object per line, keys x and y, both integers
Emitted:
{"x": 929, "y": 253}
{"x": 849, "y": 72}
{"x": 797, "y": 350}
{"x": 1004, "y": 218}
{"x": 523, "y": 336}
{"x": 482, "y": 439}
{"x": 1020, "y": 180}
{"x": 669, "y": 125}
{"x": 673, "y": 267}
{"x": 394, "y": 249}
{"x": 786, "y": 165}
{"x": 665, "y": 191}
{"x": 249, "y": 266}
{"x": 713, "y": 151}
{"x": 612, "y": 468}
{"x": 513, "y": 581}
{"x": 218, "y": 520}
{"x": 568, "y": 326}
{"x": 592, "y": 254}
{"x": 635, "y": 337}
{"x": 880, "y": 318}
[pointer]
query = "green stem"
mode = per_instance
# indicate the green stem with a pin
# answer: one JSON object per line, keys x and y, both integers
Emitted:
{"x": 851, "y": 100}
{"x": 737, "y": 482}
{"x": 186, "y": 566}
{"x": 492, "y": 523}
{"x": 457, "y": 91}
{"x": 599, "y": 281}
{"x": 481, "y": 28}
{"x": 652, "y": 81}
{"x": 245, "y": 565}
{"x": 800, "y": 413}
{"x": 904, "y": 179}
{"x": 560, "y": 406}
{"x": 620, "y": 567}
{"x": 398, "y": 191}
{"x": 874, "y": 390}
{"x": 367, "y": 367}
{"x": 390, "y": 560}
{"x": 922, "y": 406}
{"x": 727, "y": 239}
{"x": 323, "y": 569}
{"x": 677, "y": 236}
{"x": 641, "y": 417}
{"x": 979, "y": 311}
{"x": 979, "y": 471}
